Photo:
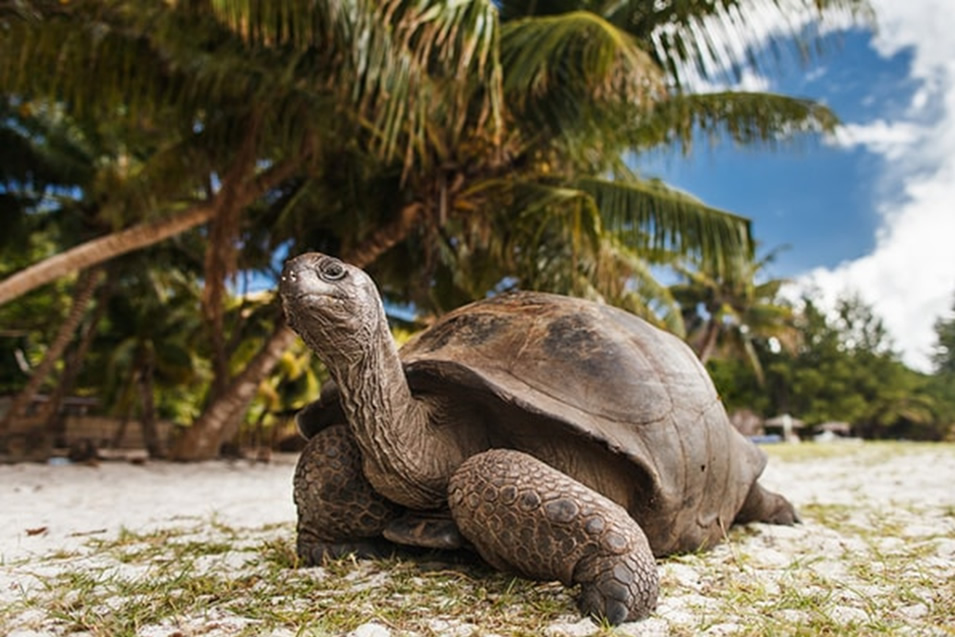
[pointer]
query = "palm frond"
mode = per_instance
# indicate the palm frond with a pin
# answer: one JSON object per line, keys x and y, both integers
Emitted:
{"x": 561, "y": 70}
{"x": 399, "y": 61}
{"x": 653, "y": 217}
{"x": 745, "y": 118}
{"x": 715, "y": 40}
{"x": 628, "y": 281}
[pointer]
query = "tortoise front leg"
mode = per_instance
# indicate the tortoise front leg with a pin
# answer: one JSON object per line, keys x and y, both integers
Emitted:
{"x": 338, "y": 511}
{"x": 763, "y": 505}
{"x": 524, "y": 516}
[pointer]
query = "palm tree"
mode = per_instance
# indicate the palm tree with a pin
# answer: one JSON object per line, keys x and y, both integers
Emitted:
{"x": 235, "y": 105}
{"x": 467, "y": 120}
{"x": 152, "y": 346}
{"x": 83, "y": 292}
{"x": 581, "y": 77}
{"x": 546, "y": 190}
{"x": 732, "y": 309}
{"x": 45, "y": 159}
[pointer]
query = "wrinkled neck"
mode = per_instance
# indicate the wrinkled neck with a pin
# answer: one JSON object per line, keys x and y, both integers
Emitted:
{"x": 390, "y": 425}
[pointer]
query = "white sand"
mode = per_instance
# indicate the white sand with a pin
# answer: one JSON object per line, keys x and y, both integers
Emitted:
{"x": 73, "y": 502}
{"x": 888, "y": 503}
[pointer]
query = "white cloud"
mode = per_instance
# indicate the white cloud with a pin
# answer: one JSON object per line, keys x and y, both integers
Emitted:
{"x": 892, "y": 139}
{"x": 909, "y": 277}
{"x": 728, "y": 37}
{"x": 749, "y": 80}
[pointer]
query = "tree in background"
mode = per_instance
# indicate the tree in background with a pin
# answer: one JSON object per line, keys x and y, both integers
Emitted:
{"x": 508, "y": 196}
{"x": 48, "y": 165}
{"x": 943, "y": 381}
{"x": 843, "y": 369}
{"x": 944, "y": 355}
{"x": 488, "y": 135}
{"x": 732, "y": 312}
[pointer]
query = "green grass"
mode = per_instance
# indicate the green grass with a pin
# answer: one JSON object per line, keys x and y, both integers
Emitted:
{"x": 155, "y": 579}
{"x": 873, "y": 452}
{"x": 853, "y": 569}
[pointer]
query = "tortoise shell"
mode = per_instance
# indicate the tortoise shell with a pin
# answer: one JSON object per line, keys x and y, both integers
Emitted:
{"x": 631, "y": 402}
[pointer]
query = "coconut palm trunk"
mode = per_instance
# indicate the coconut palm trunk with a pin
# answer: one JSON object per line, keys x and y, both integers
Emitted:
{"x": 140, "y": 236}
{"x": 220, "y": 420}
{"x": 55, "y": 419}
{"x": 385, "y": 238}
{"x": 147, "y": 417}
{"x": 101, "y": 250}
{"x": 85, "y": 287}
{"x": 708, "y": 343}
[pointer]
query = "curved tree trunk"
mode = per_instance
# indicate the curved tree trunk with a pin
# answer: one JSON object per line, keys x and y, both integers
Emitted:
{"x": 55, "y": 419}
{"x": 708, "y": 342}
{"x": 221, "y": 251}
{"x": 385, "y": 238}
{"x": 102, "y": 249}
{"x": 85, "y": 286}
{"x": 221, "y": 418}
{"x": 147, "y": 418}
{"x": 113, "y": 245}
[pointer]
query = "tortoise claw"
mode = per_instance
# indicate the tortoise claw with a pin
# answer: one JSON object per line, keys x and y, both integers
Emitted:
{"x": 622, "y": 587}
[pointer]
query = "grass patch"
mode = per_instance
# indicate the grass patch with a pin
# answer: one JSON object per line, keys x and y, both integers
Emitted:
{"x": 120, "y": 586}
{"x": 858, "y": 566}
{"x": 873, "y": 452}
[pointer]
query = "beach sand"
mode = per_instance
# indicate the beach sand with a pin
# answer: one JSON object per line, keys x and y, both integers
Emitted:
{"x": 875, "y": 553}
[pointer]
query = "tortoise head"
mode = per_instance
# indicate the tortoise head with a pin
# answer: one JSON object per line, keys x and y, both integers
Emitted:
{"x": 332, "y": 305}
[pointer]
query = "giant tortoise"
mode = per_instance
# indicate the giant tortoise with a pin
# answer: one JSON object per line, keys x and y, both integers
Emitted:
{"x": 560, "y": 438}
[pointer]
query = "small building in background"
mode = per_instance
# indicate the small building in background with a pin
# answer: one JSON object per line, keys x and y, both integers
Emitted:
{"x": 786, "y": 426}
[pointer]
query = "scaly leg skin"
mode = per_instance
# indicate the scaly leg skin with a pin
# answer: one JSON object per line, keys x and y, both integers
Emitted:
{"x": 762, "y": 505}
{"x": 338, "y": 511}
{"x": 525, "y": 516}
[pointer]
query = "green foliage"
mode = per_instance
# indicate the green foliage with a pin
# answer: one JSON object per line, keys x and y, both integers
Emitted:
{"x": 943, "y": 382}
{"x": 151, "y": 326}
{"x": 844, "y": 369}
{"x": 477, "y": 145}
{"x": 944, "y": 356}
{"x": 729, "y": 311}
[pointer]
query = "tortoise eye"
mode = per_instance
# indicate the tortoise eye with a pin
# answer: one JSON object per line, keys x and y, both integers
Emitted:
{"x": 332, "y": 271}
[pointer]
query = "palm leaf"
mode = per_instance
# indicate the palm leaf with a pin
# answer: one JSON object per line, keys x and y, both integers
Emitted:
{"x": 627, "y": 281}
{"x": 746, "y": 118}
{"x": 400, "y": 61}
{"x": 718, "y": 39}
{"x": 650, "y": 216}
{"x": 562, "y": 70}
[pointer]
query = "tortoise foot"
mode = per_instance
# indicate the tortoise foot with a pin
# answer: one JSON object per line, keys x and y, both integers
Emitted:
{"x": 338, "y": 511}
{"x": 525, "y": 516}
{"x": 619, "y": 588}
{"x": 763, "y": 505}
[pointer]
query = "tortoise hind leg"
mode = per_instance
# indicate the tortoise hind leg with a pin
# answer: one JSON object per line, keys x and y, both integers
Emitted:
{"x": 525, "y": 516}
{"x": 762, "y": 505}
{"x": 338, "y": 511}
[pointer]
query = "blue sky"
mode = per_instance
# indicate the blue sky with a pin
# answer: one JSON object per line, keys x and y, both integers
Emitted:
{"x": 806, "y": 194}
{"x": 870, "y": 210}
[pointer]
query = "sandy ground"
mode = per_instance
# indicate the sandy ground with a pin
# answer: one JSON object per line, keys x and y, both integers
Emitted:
{"x": 878, "y": 542}
{"x": 46, "y": 508}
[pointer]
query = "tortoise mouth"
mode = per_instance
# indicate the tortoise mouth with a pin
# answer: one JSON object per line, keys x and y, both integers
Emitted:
{"x": 303, "y": 302}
